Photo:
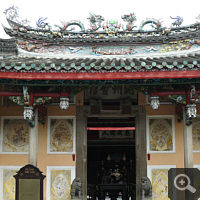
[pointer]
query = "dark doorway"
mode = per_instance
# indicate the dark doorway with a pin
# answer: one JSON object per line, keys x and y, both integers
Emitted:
{"x": 111, "y": 158}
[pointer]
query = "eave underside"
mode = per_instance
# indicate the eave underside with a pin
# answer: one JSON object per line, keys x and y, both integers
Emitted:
{"x": 101, "y": 76}
{"x": 21, "y": 70}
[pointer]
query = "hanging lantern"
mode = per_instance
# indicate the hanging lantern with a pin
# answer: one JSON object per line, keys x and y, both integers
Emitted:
{"x": 155, "y": 103}
{"x": 28, "y": 112}
{"x": 64, "y": 103}
{"x": 190, "y": 113}
{"x": 191, "y": 110}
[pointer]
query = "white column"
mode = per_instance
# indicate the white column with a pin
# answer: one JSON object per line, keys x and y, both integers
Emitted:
{"x": 33, "y": 141}
{"x": 188, "y": 145}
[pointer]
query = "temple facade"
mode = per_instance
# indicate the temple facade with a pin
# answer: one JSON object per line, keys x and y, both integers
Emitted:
{"x": 112, "y": 105}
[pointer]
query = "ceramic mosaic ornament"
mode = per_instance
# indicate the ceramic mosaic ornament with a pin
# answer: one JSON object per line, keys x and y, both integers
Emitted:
{"x": 159, "y": 179}
{"x": 196, "y": 134}
{"x": 15, "y": 135}
{"x": 9, "y": 184}
{"x": 160, "y": 134}
{"x": 61, "y": 132}
{"x": 60, "y": 184}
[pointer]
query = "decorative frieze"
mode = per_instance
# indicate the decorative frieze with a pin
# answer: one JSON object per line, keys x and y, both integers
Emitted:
{"x": 160, "y": 134}
{"x": 158, "y": 174}
{"x": 14, "y": 135}
{"x": 59, "y": 180}
{"x": 7, "y": 182}
{"x": 61, "y": 135}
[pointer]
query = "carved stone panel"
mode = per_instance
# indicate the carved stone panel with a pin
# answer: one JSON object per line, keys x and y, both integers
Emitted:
{"x": 14, "y": 135}
{"x": 196, "y": 134}
{"x": 61, "y": 135}
{"x": 160, "y": 134}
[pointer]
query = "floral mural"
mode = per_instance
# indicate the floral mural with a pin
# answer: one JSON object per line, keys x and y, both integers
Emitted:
{"x": 61, "y": 135}
{"x": 15, "y": 135}
{"x": 60, "y": 184}
{"x": 9, "y": 184}
{"x": 159, "y": 179}
{"x": 196, "y": 134}
{"x": 160, "y": 134}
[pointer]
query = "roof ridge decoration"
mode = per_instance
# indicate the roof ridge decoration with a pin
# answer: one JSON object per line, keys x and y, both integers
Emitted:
{"x": 112, "y": 34}
{"x": 98, "y": 40}
{"x": 12, "y": 13}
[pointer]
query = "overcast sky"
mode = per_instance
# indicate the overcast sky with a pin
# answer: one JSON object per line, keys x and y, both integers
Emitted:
{"x": 79, "y": 9}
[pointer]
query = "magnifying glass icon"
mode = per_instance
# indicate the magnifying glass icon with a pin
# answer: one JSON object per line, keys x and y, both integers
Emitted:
{"x": 182, "y": 182}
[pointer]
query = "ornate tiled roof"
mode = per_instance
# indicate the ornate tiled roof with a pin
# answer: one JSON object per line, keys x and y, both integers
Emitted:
{"x": 103, "y": 65}
{"x": 109, "y": 39}
{"x": 86, "y": 68}
{"x": 104, "y": 52}
{"x": 133, "y": 37}
{"x": 8, "y": 46}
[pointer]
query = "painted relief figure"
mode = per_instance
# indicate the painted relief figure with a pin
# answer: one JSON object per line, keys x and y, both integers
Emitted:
{"x": 9, "y": 184}
{"x": 160, "y": 134}
{"x": 196, "y": 134}
{"x": 61, "y": 135}
{"x": 15, "y": 135}
{"x": 159, "y": 184}
{"x": 60, "y": 184}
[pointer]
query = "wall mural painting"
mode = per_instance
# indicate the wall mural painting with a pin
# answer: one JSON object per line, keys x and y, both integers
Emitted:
{"x": 61, "y": 135}
{"x": 160, "y": 134}
{"x": 60, "y": 185}
{"x": 196, "y": 134}
{"x": 159, "y": 179}
{"x": 9, "y": 184}
{"x": 15, "y": 135}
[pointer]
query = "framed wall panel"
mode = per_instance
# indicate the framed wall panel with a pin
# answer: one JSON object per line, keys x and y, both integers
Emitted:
{"x": 59, "y": 180}
{"x": 160, "y": 134}
{"x": 61, "y": 135}
{"x": 196, "y": 134}
{"x": 7, "y": 182}
{"x": 158, "y": 174}
{"x": 14, "y": 135}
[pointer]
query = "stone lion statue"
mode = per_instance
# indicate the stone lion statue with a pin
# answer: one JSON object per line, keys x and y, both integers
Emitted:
{"x": 76, "y": 189}
{"x": 146, "y": 188}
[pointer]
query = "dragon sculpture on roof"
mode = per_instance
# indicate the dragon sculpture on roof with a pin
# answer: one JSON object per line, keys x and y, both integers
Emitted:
{"x": 98, "y": 31}
{"x": 154, "y": 23}
{"x": 71, "y": 24}
{"x": 95, "y": 21}
{"x": 130, "y": 19}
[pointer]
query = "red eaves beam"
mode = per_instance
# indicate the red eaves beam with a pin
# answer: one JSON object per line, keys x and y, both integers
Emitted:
{"x": 35, "y": 94}
{"x": 167, "y": 92}
{"x": 109, "y": 128}
{"x": 99, "y": 76}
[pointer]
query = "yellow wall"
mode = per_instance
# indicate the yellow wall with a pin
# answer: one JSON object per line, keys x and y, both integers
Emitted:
{"x": 44, "y": 159}
{"x": 171, "y": 158}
